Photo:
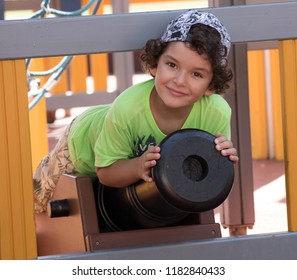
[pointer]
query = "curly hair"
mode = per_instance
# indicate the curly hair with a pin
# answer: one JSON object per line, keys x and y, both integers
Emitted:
{"x": 205, "y": 40}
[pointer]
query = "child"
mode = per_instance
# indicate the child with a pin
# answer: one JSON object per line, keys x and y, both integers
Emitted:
{"x": 118, "y": 142}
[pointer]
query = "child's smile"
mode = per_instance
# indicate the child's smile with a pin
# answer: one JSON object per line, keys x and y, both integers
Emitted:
{"x": 182, "y": 76}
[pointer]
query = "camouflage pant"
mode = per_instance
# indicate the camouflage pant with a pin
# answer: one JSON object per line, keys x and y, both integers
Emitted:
{"x": 49, "y": 170}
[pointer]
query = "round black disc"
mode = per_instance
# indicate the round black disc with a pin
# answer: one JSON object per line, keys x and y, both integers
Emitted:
{"x": 191, "y": 174}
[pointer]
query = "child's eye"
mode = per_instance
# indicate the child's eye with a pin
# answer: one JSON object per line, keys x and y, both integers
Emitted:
{"x": 197, "y": 74}
{"x": 171, "y": 64}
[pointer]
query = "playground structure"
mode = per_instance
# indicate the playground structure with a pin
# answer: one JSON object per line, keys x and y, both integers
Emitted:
{"x": 280, "y": 30}
{"x": 143, "y": 214}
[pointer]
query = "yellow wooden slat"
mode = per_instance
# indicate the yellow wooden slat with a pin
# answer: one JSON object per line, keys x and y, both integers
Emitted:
{"x": 288, "y": 65}
{"x": 99, "y": 71}
{"x": 78, "y": 74}
{"x": 276, "y": 105}
{"x": 29, "y": 229}
{"x": 14, "y": 151}
{"x": 257, "y": 104}
{"x": 38, "y": 122}
{"x": 17, "y": 226}
{"x": 5, "y": 204}
{"x": 38, "y": 132}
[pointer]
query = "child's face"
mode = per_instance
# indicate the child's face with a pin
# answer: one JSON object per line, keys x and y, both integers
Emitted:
{"x": 182, "y": 76}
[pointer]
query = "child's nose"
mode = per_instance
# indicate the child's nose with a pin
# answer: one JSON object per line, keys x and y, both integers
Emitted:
{"x": 180, "y": 78}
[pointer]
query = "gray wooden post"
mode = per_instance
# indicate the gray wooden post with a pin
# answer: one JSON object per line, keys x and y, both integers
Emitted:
{"x": 1, "y": 9}
{"x": 237, "y": 212}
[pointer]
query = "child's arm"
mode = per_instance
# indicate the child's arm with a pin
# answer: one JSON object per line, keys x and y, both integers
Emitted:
{"x": 226, "y": 147}
{"x": 125, "y": 172}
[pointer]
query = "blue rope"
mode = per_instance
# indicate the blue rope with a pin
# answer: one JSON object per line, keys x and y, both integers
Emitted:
{"x": 72, "y": 13}
{"x": 41, "y": 12}
{"x": 58, "y": 70}
{"x": 50, "y": 83}
{"x": 50, "y": 71}
{"x": 45, "y": 8}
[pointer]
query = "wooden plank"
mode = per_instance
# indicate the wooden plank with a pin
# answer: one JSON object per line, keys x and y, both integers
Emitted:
{"x": 281, "y": 246}
{"x": 288, "y": 55}
{"x": 17, "y": 227}
{"x": 257, "y": 92}
{"x": 75, "y": 35}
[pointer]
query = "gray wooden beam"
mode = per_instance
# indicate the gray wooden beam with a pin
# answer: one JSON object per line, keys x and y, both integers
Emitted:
{"x": 279, "y": 246}
{"x": 96, "y": 34}
{"x": 64, "y": 101}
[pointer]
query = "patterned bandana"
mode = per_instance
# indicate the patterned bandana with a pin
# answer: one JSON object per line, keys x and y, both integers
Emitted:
{"x": 178, "y": 29}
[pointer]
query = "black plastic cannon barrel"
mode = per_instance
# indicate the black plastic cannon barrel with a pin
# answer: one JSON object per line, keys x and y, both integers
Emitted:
{"x": 191, "y": 176}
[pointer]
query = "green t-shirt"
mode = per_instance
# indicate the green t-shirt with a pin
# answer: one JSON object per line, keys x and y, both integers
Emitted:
{"x": 126, "y": 128}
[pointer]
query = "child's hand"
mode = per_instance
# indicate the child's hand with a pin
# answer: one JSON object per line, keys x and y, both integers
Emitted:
{"x": 226, "y": 147}
{"x": 146, "y": 161}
